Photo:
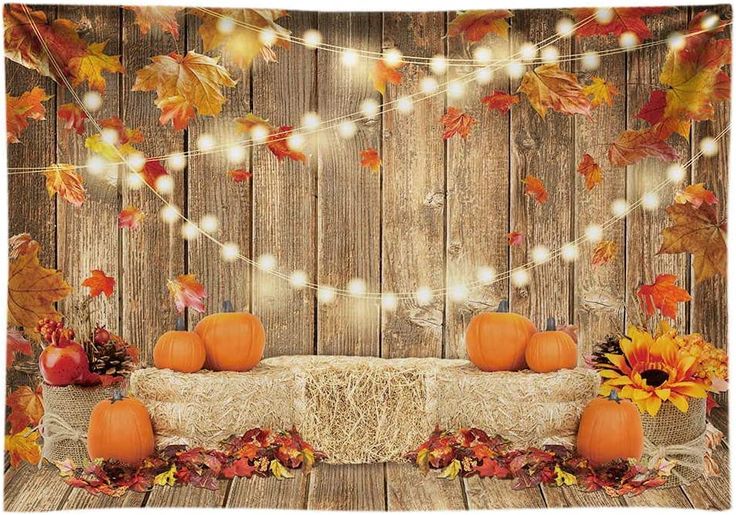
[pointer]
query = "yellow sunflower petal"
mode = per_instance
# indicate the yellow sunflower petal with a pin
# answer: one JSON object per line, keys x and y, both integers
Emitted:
{"x": 608, "y": 374}
{"x": 663, "y": 393}
{"x": 690, "y": 389}
{"x": 639, "y": 395}
{"x": 679, "y": 401}
{"x": 652, "y": 405}
{"x": 619, "y": 381}
{"x": 618, "y": 360}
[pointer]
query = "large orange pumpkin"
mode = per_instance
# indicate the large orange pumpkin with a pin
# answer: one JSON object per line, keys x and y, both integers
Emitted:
{"x": 179, "y": 350}
{"x": 551, "y": 350}
{"x": 497, "y": 340}
{"x": 610, "y": 428}
{"x": 120, "y": 428}
{"x": 232, "y": 341}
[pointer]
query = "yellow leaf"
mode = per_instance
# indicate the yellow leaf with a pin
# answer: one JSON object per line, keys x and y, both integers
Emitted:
{"x": 166, "y": 478}
{"x": 451, "y": 471}
{"x": 89, "y": 67}
{"x": 23, "y": 446}
{"x": 279, "y": 471}
{"x": 564, "y": 478}
{"x": 62, "y": 179}
{"x": 600, "y": 91}
{"x": 549, "y": 87}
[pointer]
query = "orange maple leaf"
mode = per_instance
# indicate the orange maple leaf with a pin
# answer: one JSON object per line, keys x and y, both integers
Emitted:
{"x": 240, "y": 175}
{"x": 474, "y": 25}
{"x": 534, "y": 188}
{"x": 457, "y": 122}
{"x": 62, "y": 179}
{"x": 549, "y": 87}
{"x": 369, "y": 158}
{"x": 590, "y": 170}
{"x": 634, "y": 145}
{"x": 73, "y": 117}
{"x": 160, "y": 16}
{"x": 515, "y": 238}
{"x": 130, "y": 217}
{"x": 623, "y": 19}
{"x": 21, "y": 244}
{"x": 278, "y": 144}
{"x": 600, "y": 91}
{"x": 89, "y": 67}
{"x": 187, "y": 292}
{"x": 385, "y": 74}
{"x": 26, "y": 407}
{"x": 500, "y": 101}
{"x": 152, "y": 171}
{"x": 20, "y": 109}
{"x": 23, "y": 446}
{"x": 663, "y": 295}
{"x": 16, "y": 344}
{"x": 603, "y": 252}
{"x": 696, "y": 194}
{"x": 98, "y": 283}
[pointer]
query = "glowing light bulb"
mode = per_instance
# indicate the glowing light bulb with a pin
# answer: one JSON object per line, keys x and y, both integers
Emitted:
{"x": 650, "y": 201}
{"x": 109, "y": 136}
{"x": 97, "y": 165}
{"x": 404, "y": 105}
{"x": 370, "y": 108}
{"x": 550, "y": 54}
{"x": 590, "y": 61}
{"x": 438, "y": 65}
{"x": 266, "y": 262}
{"x": 486, "y": 274}
{"x": 676, "y": 173}
{"x": 312, "y": 38}
{"x": 325, "y": 294}
{"x": 225, "y": 25}
{"x": 267, "y": 36}
{"x": 209, "y": 224}
{"x": 136, "y": 161}
{"x": 310, "y": 120}
{"x": 189, "y": 231}
{"x": 206, "y": 142}
{"x": 458, "y": 292}
{"x": 628, "y": 40}
{"x": 392, "y": 57}
{"x": 165, "y": 184}
{"x": 619, "y": 207}
{"x": 709, "y": 146}
{"x": 295, "y": 141}
{"x": 429, "y": 85}
{"x": 423, "y": 295}
{"x": 356, "y": 287}
{"x": 259, "y": 133}
{"x": 594, "y": 233}
{"x": 169, "y": 213}
{"x": 236, "y": 154}
{"x": 177, "y": 161}
{"x": 565, "y": 27}
{"x": 230, "y": 251}
{"x": 455, "y": 89}
{"x": 520, "y": 278}
{"x": 604, "y": 15}
{"x": 710, "y": 22}
{"x": 569, "y": 252}
{"x": 540, "y": 254}
{"x": 676, "y": 41}
{"x": 349, "y": 57}
{"x": 389, "y": 302}
{"x": 515, "y": 69}
{"x": 92, "y": 101}
{"x": 347, "y": 129}
{"x": 482, "y": 55}
{"x": 134, "y": 181}
{"x": 298, "y": 279}
{"x": 484, "y": 76}
{"x": 528, "y": 51}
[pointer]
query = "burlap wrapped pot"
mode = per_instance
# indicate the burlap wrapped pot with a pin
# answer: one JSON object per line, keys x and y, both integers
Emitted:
{"x": 66, "y": 416}
{"x": 677, "y": 436}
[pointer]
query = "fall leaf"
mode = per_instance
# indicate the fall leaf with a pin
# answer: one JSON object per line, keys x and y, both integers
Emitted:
{"x": 634, "y": 145}
{"x": 383, "y": 74}
{"x": 130, "y": 217}
{"x": 62, "y": 179}
{"x": 369, "y": 158}
{"x": 26, "y": 407}
{"x": 279, "y": 471}
{"x": 20, "y": 109}
{"x": 624, "y": 19}
{"x": 152, "y": 171}
{"x": 16, "y": 344}
{"x": 549, "y": 87}
{"x": 564, "y": 478}
{"x": 125, "y": 140}
{"x": 451, "y": 471}
{"x": 240, "y": 175}
{"x": 183, "y": 84}
{"x": 278, "y": 144}
{"x": 99, "y": 282}
{"x": 73, "y": 117}
{"x": 89, "y": 67}
{"x": 500, "y": 101}
{"x": 474, "y": 25}
{"x": 456, "y": 122}
{"x": 696, "y": 194}
{"x": 187, "y": 293}
{"x": 515, "y": 238}
{"x": 166, "y": 478}
{"x": 534, "y": 188}
{"x": 603, "y": 252}
{"x": 160, "y": 16}
{"x": 23, "y": 446}
{"x": 589, "y": 169}
{"x": 600, "y": 91}
{"x": 21, "y": 244}
{"x": 653, "y": 112}
{"x": 663, "y": 295}
{"x": 242, "y": 44}
{"x": 699, "y": 232}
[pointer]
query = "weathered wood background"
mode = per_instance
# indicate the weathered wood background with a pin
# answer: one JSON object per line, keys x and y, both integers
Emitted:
{"x": 435, "y": 212}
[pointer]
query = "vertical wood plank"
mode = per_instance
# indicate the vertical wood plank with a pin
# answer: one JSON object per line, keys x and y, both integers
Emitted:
{"x": 269, "y": 493}
{"x": 660, "y": 498}
{"x": 488, "y": 494}
{"x": 349, "y": 196}
{"x": 541, "y": 147}
{"x": 89, "y": 235}
{"x": 413, "y": 237}
{"x": 210, "y": 191}
{"x": 477, "y": 198}
{"x": 557, "y": 497}
{"x": 347, "y": 488}
{"x": 188, "y": 496}
{"x": 154, "y": 252}
{"x": 284, "y": 199}
{"x": 80, "y": 499}
{"x": 29, "y": 488}
{"x": 712, "y": 493}
{"x": 408, "y": 490}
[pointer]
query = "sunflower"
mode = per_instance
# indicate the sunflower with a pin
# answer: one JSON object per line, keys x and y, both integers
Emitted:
{"x": 652, "y": 370}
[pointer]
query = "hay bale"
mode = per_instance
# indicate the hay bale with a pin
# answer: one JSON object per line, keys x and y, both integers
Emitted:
{"x": 364, "y": 409}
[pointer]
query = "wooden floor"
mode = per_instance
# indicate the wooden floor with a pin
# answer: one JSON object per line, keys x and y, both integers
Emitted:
{"x": 359, "y": 487}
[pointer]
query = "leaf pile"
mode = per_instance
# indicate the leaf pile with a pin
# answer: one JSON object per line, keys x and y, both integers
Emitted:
{"x": 258, "y": 452}
{"x": 469, "y": 452}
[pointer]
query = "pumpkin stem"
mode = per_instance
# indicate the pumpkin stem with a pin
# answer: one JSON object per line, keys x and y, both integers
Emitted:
{"x": 181, "y": 324}
{"x": 227, "y": 306}
{"x": 613, "y": 396}
{"x": 117, "y": 395}
{"x": 551, "y": 325}
{"x": 503, "y": 306}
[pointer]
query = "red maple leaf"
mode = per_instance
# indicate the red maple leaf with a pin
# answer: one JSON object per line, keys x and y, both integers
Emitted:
{"x": 278, "y": 144}
{"x": 369, "y": 158}
{"x": 152, "y": 170}
{"x": 98, "y": 283}
{"x": 623, "y": 19}
{"x": 73, "y": 117}
{"x": 500, "y": 101}
{"x": 534, "y": 188}
{"x": 663, "y": 295}
{"x": 240, "y": 175}
{"x": 515, "y": 238}
{"x": 634, "y": 145}
{"x": 456, "y": 122}
{"x": 130, "y": 217}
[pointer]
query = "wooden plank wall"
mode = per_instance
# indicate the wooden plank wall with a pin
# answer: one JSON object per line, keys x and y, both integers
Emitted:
{"x": 435, "y": 212}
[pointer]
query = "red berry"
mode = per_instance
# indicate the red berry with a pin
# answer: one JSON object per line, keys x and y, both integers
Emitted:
{"x": 102, "y": 335}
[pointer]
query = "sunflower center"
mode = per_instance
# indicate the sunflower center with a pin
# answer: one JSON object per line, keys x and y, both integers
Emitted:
{"x": 655, "y": 377}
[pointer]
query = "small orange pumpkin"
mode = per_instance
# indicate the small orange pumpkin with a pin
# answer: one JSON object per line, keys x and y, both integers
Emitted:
{"x": 497, "y": 340}
{"x": 610, "y": 428}
{"x": 120, "y": 428}
{"x": 179, "y": 350}
{"x": 232, "y": 341}
{"x": 551, "y": 350}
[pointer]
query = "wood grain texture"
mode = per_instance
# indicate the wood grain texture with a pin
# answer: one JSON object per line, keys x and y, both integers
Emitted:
{"x": 188, "y": 497}
{"x": 556, "y": 497}
{"x": 347, "y": 488}
{"x": 713, "y": 493}
{"x": 270, "y": 493}
{"x": 414, "y": 193}
{"x": 79, "y": 499}
{"x": 29, "y": 488}
{"x": 153, "y": 253}
{"x": 487, "y": 494}
{"x": 284, "y": 207}
{"x": 477, "y": 196}
{"x": 541, "y": 148}
{"x": 660, "y": 498}
{"x": 408, "y": 490}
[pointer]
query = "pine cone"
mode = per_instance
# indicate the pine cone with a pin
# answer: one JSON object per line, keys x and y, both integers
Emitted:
{"x": 609, "y": 346}
{"x": 108, "y": 355}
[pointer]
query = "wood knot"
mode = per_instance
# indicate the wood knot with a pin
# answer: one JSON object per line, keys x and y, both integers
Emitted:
{"x": 435, "y": 199}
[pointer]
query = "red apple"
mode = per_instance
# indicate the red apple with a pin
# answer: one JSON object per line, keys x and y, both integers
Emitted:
{"x": 63, "y": 364}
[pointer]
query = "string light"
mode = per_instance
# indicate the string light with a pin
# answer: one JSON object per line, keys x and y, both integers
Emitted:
{"x": 590, "y": 61}
{"x": 550, "y": 54}
{"x": 389, "y": 302}
{"x": 708, "y": 147}
{"x": 134, "y": 181}
{"x": 710, "y": 22}
{"x": 170, "y": 213}
{"x": 438, "y": 64}
{"x": 628, "y": 40}
{"x": 110, "y": 136}
{"x": 565, "y": 27}
{"x": 267, "y": 36}
{"x": 298, "y": 279}
{"x": 392, "y": 57}
{"x": 325, "y": 294}
{"x": 165, "y": 184}
{"x": 349, "y": 58}
{"x": 295, "y": 141}
{"x": 136, "y": 161}
{"x": 515, "y": 69}
{"x": 370, "y": 108}
{"x": 259, "y": 133}
{"x": 528, "y": 51}
{"x": 206, "y": 142}
{"x": 455, "y": 89}
{"x": 230, "y": 251}
{"x": 484, "y": 76}
{"x": 312, "y": 39}
{"x": 650, "y": 201}
{"x": 486, "y": 275}
{"x": 404, "y": 105}
{"x": 176, "y": 161}
{"x": 429, "y": 85}
{"x": 92, "y": 101}
{"x": 97, "y": 165}
{"x": 189, "y": 231}
{"x": 423, "y": 295}
{"x": 357, "y": 287}
{"x": 520, "y": 278}
{"x": 540, "y": 254}
{"x": 347, "y": 129}
{"x": 619, "y": 207}
{"x": 236, "y": 154}
{"x": 594, "y": 233}
{"x": 569, "y": 252}
{"x": 676, "y": 41}
{"x": 225, "y": 25}
{"x": 458, "y": 292}
{"x": 676, "y": 173}
{"x": 310, "y": 120}
{"x": 604, "y": 15}
{"x": 482, "y": 55}
{"x": 209, "y": 224}
{"x": 266, "y": 262}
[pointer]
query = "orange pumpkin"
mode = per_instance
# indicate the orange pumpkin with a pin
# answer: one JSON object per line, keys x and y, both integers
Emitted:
{"x": 120, "y": 428}
{"x": 179, "y": 350}
{"x": 551, "y": 350}
{"x": 610, "y": 428}
{"x": 232, "y": 341}
{"x": 497, "y": 340}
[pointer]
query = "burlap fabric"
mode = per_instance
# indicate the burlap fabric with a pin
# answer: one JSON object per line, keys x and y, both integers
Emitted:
{"x": 66, "y": 416}
{"x": 679, "y": 437}
{"x": 364, "y": 409}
